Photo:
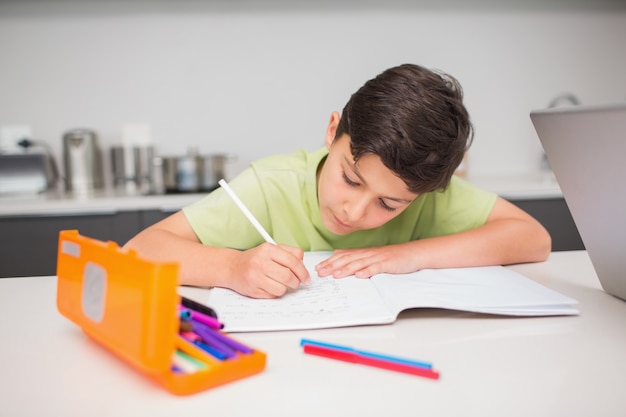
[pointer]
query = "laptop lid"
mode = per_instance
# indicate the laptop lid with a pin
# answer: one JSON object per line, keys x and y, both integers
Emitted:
{"x": 586, "y": 147}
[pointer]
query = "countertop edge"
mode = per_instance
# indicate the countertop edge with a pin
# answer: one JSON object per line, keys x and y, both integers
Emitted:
{"x": 531, "y": 186}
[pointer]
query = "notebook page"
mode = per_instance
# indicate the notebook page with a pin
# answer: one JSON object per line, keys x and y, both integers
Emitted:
{"x": 492, "y": 289}
{"x": 326, "y": 302}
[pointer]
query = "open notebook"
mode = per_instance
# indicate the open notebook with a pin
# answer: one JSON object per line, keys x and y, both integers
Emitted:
{"x": 329, "y": 302}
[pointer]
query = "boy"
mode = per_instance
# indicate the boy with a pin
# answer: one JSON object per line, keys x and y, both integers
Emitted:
{"x": 381, "y": 194}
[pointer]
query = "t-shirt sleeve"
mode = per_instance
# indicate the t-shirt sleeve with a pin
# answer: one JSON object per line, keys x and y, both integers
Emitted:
{"x": 462, "y": 206}
{"x": 218, "y": 221}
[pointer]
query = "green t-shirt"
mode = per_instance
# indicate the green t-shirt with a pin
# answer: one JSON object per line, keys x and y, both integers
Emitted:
{"x": 281, "y": 192}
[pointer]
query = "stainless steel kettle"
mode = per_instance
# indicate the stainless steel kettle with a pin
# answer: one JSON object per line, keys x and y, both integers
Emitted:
{"x": 82, "y": 160}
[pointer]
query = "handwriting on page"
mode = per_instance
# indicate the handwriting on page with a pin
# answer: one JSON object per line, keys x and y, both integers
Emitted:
{"x": 322, "y": 297}
{"x": 326, "y": 302}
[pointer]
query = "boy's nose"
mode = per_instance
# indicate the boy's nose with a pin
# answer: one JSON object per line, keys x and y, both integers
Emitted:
{"x": 355, "y": 209}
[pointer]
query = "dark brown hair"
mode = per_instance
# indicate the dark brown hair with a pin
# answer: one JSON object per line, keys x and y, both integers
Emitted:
{"x": 414, "y": 119}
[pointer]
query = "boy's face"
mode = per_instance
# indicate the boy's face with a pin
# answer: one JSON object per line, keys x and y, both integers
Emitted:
{"x": 357, "y": 196}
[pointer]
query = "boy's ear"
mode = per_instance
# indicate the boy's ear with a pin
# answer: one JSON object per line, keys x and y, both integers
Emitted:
{"x": 331, "y": 130}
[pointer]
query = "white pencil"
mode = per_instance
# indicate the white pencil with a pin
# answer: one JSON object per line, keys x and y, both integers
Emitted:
{"x": 246, "y": 212}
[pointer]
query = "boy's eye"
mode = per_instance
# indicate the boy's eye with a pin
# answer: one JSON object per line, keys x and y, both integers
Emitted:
{"x": 349, "y": 181}
{"x": 356, "y": 184}
{"x": 386, "y": 207}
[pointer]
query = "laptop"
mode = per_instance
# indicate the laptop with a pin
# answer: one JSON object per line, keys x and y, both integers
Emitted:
{"x": 586, "y": 147}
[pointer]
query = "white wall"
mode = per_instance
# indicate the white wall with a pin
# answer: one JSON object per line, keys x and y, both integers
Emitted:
{"x": 253, "y": 80}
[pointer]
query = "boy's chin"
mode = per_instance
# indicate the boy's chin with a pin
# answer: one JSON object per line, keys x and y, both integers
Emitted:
{"x": 338, "y": 229}
{"x": 341, "y": 232}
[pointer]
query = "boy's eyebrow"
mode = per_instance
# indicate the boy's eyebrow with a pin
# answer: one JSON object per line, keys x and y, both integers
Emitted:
{"x": 399, "y": 200}
{"x": 356, "y": 172}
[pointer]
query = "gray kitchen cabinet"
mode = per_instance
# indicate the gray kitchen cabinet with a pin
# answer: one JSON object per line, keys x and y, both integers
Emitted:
{"x": 30, "y": 242}
{"x": 149, "y": 217}
{"x": 555, "y": 216}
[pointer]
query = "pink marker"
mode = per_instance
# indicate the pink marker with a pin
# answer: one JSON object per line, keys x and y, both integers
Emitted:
{"x": 190, "y": 336}
{"x": 212, "y": 322}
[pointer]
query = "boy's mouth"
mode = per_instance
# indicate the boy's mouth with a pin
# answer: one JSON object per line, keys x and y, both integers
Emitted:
{"x": 341, "y": 224}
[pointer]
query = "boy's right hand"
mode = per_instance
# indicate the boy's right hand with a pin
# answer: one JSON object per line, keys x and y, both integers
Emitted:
{"x": 268, "y": 271}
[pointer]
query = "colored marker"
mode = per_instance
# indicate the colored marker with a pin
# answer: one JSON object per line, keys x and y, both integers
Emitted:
{"x": 184, "y": 313}
{"x": 207, "y": 336}
{"x": 197, "y": 341}
{"x": 203, "y": 318}
{"x": 187, "y": 363}
{"x": 364, "y": 353}
{"x": 190, "y": 336}
{"x": 199, "y": 307}
{"x": 185, "y": 326}
{"x": 177, "y": 370}
{"x": 352, "y": 357}
{"x": 211, "y": 350}
{"x": 233, "y": 344}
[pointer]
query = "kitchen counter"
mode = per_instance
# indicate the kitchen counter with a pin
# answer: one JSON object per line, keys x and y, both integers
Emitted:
{"x": 53, "y": 203}
{"x": 529, "y": 186}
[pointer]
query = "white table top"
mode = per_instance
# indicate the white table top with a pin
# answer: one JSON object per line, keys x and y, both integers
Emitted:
{"x": 490, "y": 366}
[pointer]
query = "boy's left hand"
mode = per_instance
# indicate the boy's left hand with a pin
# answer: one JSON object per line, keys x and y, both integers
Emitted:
{"x": 363, "y": 263}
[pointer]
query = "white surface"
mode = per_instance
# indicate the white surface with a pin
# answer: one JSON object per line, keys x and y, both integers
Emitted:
{"x": 490, "y": 366}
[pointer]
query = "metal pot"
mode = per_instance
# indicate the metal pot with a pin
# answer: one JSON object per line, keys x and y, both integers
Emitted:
{"x": 213, "y": 170}
{"x": 194, "y": 173}
{"x": 169, "y": 166}
{"x": 133, "y": 166}
{"x": 83, "y": 160}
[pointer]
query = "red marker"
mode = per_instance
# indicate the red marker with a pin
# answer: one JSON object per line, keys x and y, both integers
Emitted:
{"x": 353, "y": 357}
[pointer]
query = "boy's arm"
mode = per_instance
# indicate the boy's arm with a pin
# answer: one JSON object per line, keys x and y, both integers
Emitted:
{"x": 266, "y": 271}
{"x": 509, "y": 236}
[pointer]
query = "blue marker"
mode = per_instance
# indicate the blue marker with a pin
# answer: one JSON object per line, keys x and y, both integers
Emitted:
{"x": 420, "y": 364}
{"x": 184, "y": 314}
{"x": 210, "y": 350}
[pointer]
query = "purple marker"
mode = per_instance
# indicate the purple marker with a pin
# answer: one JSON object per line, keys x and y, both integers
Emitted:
{"x": 233, "y": 344}
{"x": 208, "y": 336}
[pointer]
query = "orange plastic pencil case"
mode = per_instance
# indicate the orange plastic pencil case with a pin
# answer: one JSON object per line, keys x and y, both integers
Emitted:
{"x": 130, "y": 306}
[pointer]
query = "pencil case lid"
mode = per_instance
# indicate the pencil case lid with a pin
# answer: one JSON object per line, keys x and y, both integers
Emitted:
{"x": 126, "y": 303}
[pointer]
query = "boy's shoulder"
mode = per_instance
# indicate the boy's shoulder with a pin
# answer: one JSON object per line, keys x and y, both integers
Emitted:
{"x": 289, "y": 179}
{"x": 462, "y": 194}
{"x": 299, "y": 160}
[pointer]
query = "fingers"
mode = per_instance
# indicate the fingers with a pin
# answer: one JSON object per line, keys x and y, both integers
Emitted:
{"x": 281, "y": 273}
{"x": 297, "y": 252}
{"x": 272, "y": 270}
{"x": 291, "y": 258}
{"x": 345, "y": 263}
